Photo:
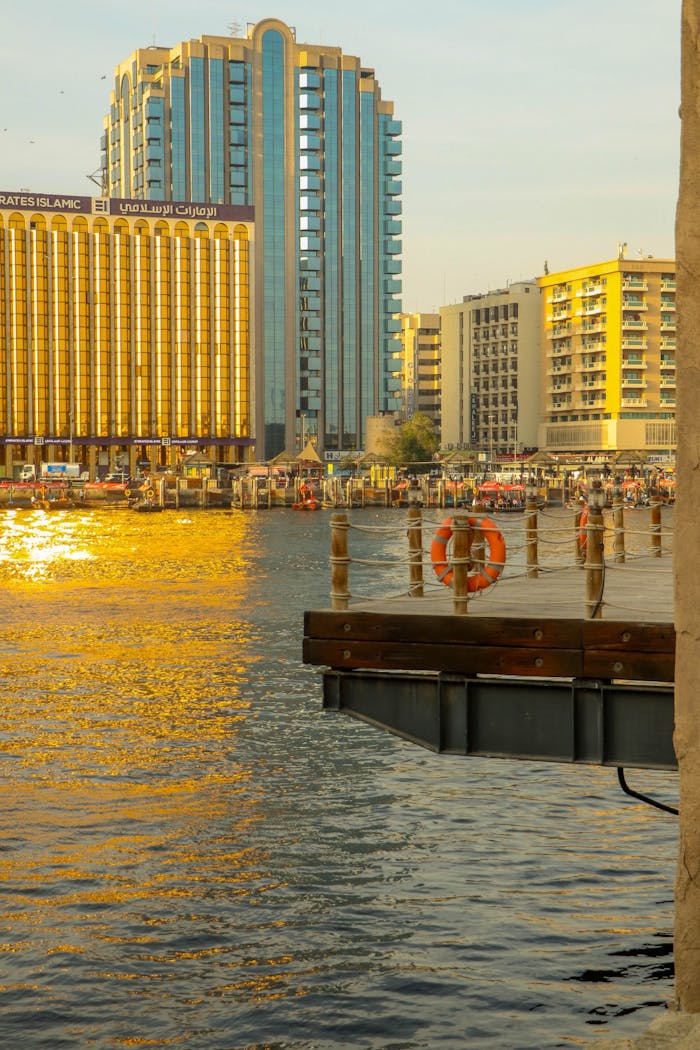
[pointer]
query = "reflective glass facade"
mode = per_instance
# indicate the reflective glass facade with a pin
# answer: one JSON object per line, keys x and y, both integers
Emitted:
{"x": 273, "y": 246}
{"x": 302, "y": 133}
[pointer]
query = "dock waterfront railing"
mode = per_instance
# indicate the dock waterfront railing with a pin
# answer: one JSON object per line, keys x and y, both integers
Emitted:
{"x": 595, "y": 539}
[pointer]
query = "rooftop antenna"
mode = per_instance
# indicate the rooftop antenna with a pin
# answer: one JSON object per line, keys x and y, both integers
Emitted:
{"x": 234, "y": 28}
{"x": 621, "y": 249}
{"x": 96, "y": 177}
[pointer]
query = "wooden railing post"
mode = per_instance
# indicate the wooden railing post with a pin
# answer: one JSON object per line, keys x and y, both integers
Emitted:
{"x": 579, "y": 532}
{"x": 594, "y": 553}
{"x": 339, "y": 561}
{"x": 618, "y": 522}
{"x": 531, "y": 529}
{"x": 461, "y": 546}
{"x": 655, "y": 525}
{"x": 415, "y": 552}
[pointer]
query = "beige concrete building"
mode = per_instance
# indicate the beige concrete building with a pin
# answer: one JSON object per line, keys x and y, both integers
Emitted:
{"x": 420, "y": 337}
{"x": 490, "y": 371}
{"x": 609, "y": 363}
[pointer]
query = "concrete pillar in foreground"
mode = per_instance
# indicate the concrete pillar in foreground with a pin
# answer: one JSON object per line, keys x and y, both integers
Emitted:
{"x": 687, "y": 521}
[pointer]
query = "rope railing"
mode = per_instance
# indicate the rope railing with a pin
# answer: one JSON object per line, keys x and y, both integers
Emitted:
{"x": 468, "y": 551}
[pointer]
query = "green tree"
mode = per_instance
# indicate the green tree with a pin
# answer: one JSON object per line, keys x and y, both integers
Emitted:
{"x": 413, "y": 443}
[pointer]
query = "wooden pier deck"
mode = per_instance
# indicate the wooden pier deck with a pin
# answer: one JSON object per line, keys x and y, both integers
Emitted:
{"x": 524, "y": 673}
{"x": 519, "y": 626}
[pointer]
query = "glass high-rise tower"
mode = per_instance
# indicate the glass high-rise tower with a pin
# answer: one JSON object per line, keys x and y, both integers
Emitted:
{"x": 302, "y": 133}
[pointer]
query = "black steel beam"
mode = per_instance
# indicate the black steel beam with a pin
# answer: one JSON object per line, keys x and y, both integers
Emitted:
{"x": 557, "y": 720}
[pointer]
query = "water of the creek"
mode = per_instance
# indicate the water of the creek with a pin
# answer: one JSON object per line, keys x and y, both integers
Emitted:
{"x": 193, "y": 854}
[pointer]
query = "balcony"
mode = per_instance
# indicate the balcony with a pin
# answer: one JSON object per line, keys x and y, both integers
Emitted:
{"x": 557, "y": 296}
{"x": 633, "y": 362}
{"x": 597, "y": 384}
{"x": 590, "y": 289}
{"x": 309, "y": 101}
{"x": 636, "y": 324}
{"x": 634, "y": 402}
{"x": 589, "y": 328}
{"x": 667, "y": 381}
{"x": 637, "y": 381}
{"x": 636, "y": 284}
{"x": 668, "y": 284}
{"x": 593, "y": 346}
{"x": 634, "y": 304}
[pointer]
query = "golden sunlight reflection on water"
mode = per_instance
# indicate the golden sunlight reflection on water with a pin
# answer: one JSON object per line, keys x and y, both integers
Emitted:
{"x": 113, "y": 633}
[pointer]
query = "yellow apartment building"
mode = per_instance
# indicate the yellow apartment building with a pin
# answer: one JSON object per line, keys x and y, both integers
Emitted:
{"x": 609, "y": 364}
{"x": 420, "y": 338}
{"x": 125, "y": 331}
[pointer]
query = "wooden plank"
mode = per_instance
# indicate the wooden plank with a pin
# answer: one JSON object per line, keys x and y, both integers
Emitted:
{"x": 518, "y": 632}
{"x": 625, "y": 665}
{"x": 350, "y": 653}
{"x": 624, "y": 635}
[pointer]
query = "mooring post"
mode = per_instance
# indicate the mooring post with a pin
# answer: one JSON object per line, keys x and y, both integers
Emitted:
{"x": 415, "y": 552}
{"x": 618, "y": 522}
{"x": 340, "y": 561}
{"x": 594, "y": 552}
{"x": 461, "y": 546}
{"x": 531, "y": 529}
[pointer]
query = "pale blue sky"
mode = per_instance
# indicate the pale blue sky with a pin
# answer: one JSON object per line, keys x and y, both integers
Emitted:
{"x": 533, "y": 129}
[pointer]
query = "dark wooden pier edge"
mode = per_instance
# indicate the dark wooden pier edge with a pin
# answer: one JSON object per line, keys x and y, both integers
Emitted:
{"x": 583, "y": 691}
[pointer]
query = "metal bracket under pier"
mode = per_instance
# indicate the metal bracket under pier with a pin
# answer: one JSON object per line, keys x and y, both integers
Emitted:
{"x": 584, "y": 721}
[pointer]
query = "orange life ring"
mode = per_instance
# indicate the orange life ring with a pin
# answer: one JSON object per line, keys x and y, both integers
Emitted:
{"x": 582, "y": 537}
{"x": 489, "y": 573}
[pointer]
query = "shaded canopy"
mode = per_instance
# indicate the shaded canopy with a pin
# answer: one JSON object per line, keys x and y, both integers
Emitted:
{"x": 631, "y": 457}
{"x": 371, "y": 459}
{"x": 197, "y": 463}
{"x": 308, "y": 455}
{"x": 283, "y": 458}
{"x": 459, "y": 457}
{"x": 542, "y": 459}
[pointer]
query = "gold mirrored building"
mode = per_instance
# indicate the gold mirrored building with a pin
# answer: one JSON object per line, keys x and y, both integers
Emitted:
{"x": 125, "y": 331}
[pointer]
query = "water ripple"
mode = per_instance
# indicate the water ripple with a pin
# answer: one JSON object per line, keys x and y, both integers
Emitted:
{"x": 193, "y": 855}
